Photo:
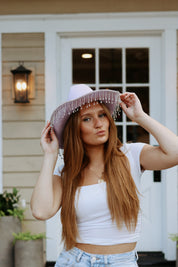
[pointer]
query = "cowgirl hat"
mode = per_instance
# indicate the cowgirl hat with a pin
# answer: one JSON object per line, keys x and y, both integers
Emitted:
{"x": 80, "y": 95}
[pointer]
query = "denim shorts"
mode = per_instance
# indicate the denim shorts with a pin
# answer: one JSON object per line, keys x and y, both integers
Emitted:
{"x": 78, "y": 258}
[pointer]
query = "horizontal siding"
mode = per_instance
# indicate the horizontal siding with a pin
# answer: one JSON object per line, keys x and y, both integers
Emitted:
{"x": 22, "y": 129}
{"x": 17, "y": 40}
{"x": 38, "y": 100}
{"x": 23, "y": 113}
{"x": 37, "y": 65}
{"x": 19, "y": 147}
{"x": 78, "y": 6}
{"x": 20, "y": 180}
{"x": 28, "y": 213}
{"x": 7, "y": 81}
{"x": 22, "y": 54}
{"x": 34, "y": 226}
{"x": 22, "y": 164}
{"x": 23, "y": 123}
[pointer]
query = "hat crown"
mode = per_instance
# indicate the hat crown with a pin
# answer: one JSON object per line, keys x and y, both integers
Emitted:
{"x": 78, "y": 90}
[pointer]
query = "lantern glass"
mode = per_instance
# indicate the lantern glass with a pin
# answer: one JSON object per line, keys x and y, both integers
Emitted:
{"x": 20, "y": 84}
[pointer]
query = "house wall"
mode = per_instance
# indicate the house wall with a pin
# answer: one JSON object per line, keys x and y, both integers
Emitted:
{"x": 78, "y": 6}
{"x": 22, "y": 123}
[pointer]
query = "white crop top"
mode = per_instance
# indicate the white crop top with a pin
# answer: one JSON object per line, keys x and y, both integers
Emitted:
{"x": 94, "y": 222}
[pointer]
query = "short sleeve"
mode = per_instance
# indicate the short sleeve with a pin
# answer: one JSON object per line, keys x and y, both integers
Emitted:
{"x": 135, "y": 149}
{"x": 132, "y": 152}
{"x": 58, "y": 168}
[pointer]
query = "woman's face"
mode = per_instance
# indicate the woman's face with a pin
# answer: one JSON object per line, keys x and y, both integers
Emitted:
{"x": 94, "y": 125}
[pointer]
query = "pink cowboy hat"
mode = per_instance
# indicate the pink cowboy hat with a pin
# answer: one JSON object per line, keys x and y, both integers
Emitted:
{"x": 80, "y": 95}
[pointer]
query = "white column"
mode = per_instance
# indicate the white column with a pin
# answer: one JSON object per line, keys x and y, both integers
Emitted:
{"x": 52, "y": 93}
{"x": 50, "y": 72}
{"x": 170, "y": 178}
{"x": 1, "y": 152}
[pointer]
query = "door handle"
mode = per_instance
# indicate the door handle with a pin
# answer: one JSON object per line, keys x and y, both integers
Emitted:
{"x": 157, "y": 176}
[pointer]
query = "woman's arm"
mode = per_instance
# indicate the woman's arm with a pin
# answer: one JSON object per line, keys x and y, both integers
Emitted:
{"x": 152, "y": 158}
{"x": 46, "y": 196}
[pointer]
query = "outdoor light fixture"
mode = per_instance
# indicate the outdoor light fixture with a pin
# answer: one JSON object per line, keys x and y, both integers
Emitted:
{"x": 21, "y": 84}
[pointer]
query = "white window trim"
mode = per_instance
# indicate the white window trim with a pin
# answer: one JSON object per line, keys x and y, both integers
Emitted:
{"x": 101, "y": 24}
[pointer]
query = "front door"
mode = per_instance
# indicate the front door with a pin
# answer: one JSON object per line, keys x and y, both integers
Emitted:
{"x": 124, "y": 64}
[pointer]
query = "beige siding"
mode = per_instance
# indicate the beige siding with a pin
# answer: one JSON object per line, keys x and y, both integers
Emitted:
{"x": 22, "y": 123}
{"x": 78, "y": 6}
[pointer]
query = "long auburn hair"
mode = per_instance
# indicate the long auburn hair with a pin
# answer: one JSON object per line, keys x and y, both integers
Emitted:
{"x": 122, "y": 194}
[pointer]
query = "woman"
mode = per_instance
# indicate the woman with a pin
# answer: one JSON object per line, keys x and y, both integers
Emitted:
{"x": 97, "y": 189}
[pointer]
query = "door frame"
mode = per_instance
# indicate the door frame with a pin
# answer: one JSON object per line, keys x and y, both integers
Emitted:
{"x": 169, "y": 184}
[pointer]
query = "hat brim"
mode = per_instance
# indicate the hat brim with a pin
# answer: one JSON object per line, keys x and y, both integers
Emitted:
{"x": 62, "y": 113}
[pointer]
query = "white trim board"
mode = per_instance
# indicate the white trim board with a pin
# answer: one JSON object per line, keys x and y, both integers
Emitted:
{"x": 94, "y": 22}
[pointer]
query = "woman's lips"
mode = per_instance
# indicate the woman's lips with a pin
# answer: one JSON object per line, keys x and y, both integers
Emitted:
{"x": 101, "y": 133}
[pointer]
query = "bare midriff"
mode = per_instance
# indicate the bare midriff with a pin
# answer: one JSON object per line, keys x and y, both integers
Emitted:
{"x": 113, "y": 249}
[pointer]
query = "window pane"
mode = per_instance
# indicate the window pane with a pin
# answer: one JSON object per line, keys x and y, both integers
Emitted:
{"x": 143, "y": 95}
{"x": 120, "y": 133}
{"x": 110, "y": 64}
{"x": 137, "y": 134}
{"x": 83, "y": 65}
{"x": 137, "y": 65}
{"x": 119, "y": 117}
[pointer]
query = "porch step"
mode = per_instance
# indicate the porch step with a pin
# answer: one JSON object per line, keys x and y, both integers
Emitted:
{"x": 156, "y": 259}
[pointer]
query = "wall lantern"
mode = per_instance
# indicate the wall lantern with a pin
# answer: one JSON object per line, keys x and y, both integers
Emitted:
{"x": 21, "y": 84}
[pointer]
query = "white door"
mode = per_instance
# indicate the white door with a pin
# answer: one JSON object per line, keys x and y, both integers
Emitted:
{"x": 124, "y": 64}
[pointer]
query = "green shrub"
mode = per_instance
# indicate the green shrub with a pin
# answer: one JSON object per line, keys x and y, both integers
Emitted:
{"x": 28, "y": 236}
{"x": 174, "y": 237}
{"x": 9, "y": 204}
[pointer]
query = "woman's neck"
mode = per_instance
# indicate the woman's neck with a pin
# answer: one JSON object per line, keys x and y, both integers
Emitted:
{"x": 96, "y": 156}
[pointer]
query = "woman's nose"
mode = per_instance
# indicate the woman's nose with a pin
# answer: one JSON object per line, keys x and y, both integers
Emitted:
{"x": 98, "y": 122}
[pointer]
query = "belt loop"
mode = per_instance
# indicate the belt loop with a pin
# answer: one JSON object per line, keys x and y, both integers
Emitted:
{"x": 79, "y": 256}
{"x": 105, "y": 259}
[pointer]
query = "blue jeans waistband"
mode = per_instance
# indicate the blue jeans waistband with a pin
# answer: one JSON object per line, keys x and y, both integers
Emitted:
{"x": 108, "y": 258}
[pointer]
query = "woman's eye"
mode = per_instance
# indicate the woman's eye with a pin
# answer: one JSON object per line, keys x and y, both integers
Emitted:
{"x": 102, "y": 115}
{"x": 86, "y": 119}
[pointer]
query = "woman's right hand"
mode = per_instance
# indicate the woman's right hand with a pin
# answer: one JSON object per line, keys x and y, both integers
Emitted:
{"x": 49, "y": 142}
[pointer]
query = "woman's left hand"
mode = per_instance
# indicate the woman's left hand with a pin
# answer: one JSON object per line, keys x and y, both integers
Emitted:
{"x": 131, "y": 105}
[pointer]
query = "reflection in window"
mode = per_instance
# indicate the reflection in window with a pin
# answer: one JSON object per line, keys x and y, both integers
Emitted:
{"x": 137, "y": 134}
{"x": 83, "y": 61}
{"x": 137, "y": 65}
{"x": 110, "y": 65}
{"x": 103, "y": 68}
{"x": 119, "y": 89}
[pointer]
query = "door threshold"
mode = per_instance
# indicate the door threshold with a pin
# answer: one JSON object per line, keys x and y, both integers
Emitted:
{"x": 153, "y": 259}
